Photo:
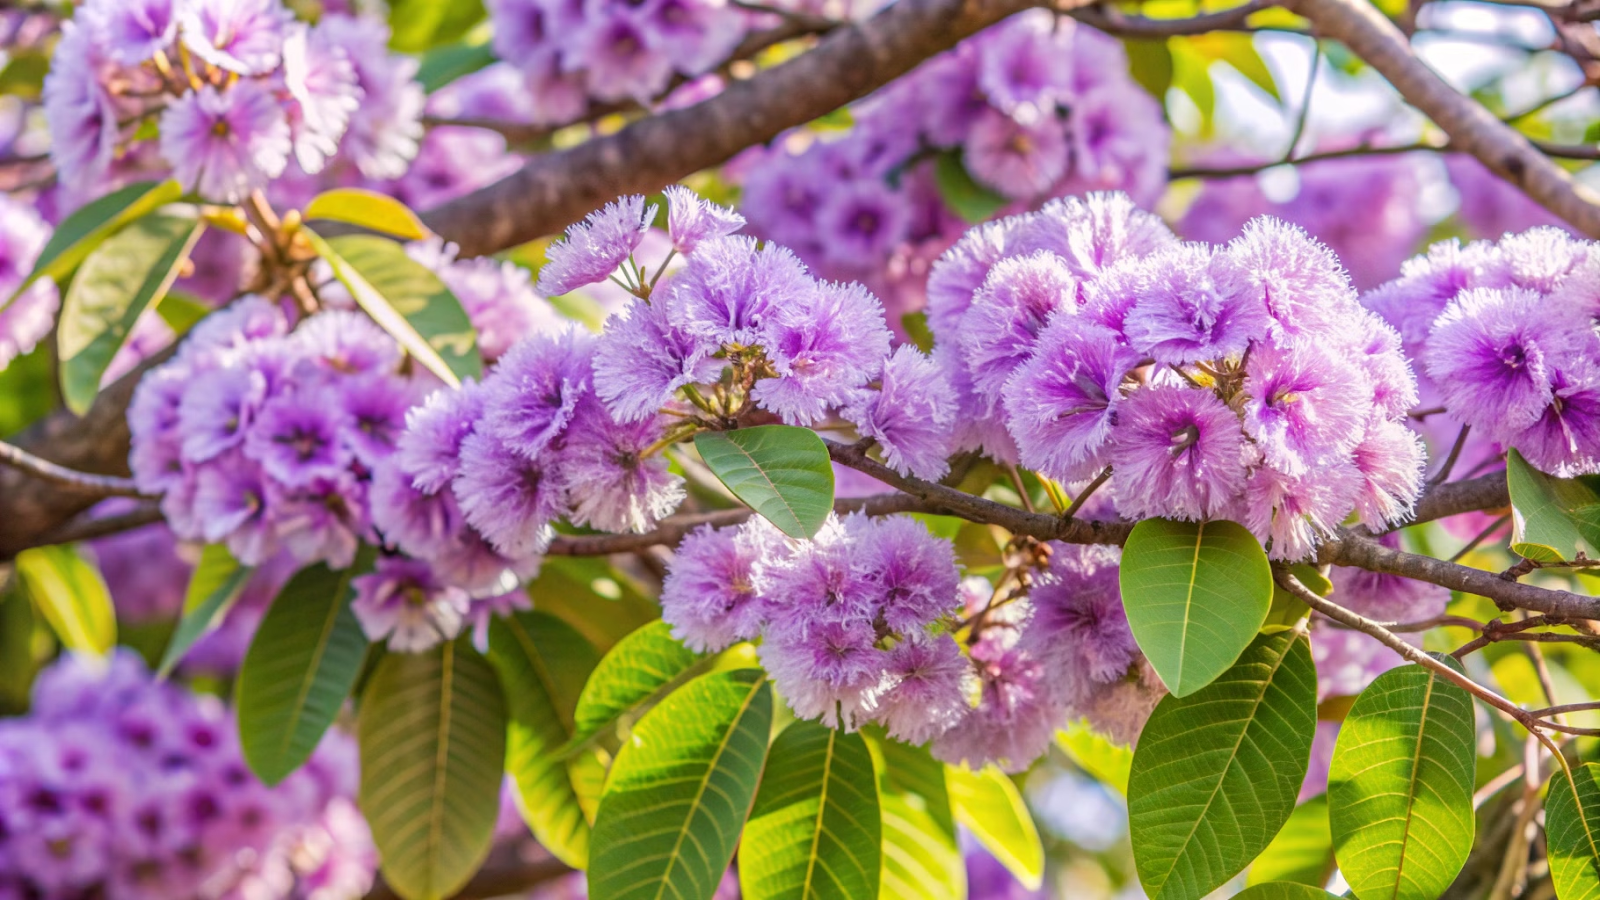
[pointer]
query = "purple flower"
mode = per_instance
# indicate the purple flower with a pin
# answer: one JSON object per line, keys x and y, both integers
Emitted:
{"x": 136, "y": 30}
{"x": 823, "y": 348}
{"x": 1025, "y": 67}
{"x": 912, "y": 414}
{"x": 929, "y": 695}
{"x": 1078, "y": 628}
{"x": 1490, "y": 355}
{"x": 1390, "y": 458}
{"x": 1490, "y": 205}
{"x": 695, "y": 36}
{"x": 1013, "y": 723}
{"x": 472, "y": 564}
{"x": 1301, "y": 282}
{"x": 1305, "y": 407}
{"x": 913, "y": 573}
{"x": 423, "y": 525}
{"x": 819, "y": 582}
{"x": 347, "y": 342}
{"x": 642, "y": 360}
{"x": 691, "y": 219}
{"x": 1540, "y": 259}
{"x": 595, "y": 247}
{"x": 728, "y": 286}
{"x": 384, "y": 130}
{"x": 243, "y": 36}
{"x": 1565, "y": 439}
{"x": 498, "y": 296}
{"x": 1020, "y": 161}
{"x": 1176, "y": 453}
{"x": 1061, "y": 404}
{"x": 958, "y": 274}
{"x": 375, "y": 408}
{"x": 299, "y": 439}
{"x": 534, "y": 391}
{"x": 224, "y": 144}
{"x": 622, "y": 59}
{"x": 30, "y": 316}
{"x": 216, "y": 412}
{"x": 612, "y": 484}
{"x": 429, "y": 451}
{"x": 321, "y": 80}
{"x": 832, "y": 672}
{"x": 79, "y": 112}
{"x": 709, "y": 596}
{"x": 231, "y": 503}
{"x": 507, "y": 497}
{"x": 1001, "y": 330}
{"x": 1095, "y": 232}
{"x": 1196, "y": 304}
{"x": 863, "y": 220}
{"x": 524, "y": 30}
{"x": 1380, "y": 354}
{"x": 1294, "y": 512}
{"x": 402, "y": 600}
{"x": 323, "y": 520}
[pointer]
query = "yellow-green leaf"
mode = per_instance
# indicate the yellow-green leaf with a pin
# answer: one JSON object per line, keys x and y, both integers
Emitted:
{"x": 921, "y": 859}
{"x": 1572, "y": 828}
{"x": 71, "y": 596}
{"x": 217, "y": 582}
{"x": 991, "y": 807}
{"x": 368, "y": 209}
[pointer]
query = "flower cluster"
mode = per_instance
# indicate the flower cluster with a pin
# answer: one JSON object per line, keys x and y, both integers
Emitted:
{"x": 1366, "y": 209}
{"x": 859, "y": 625}
{"x": 1241, "y": 382}
{"x": 264, "y": 438}
{"x": 610, "y": 50}
{"x": 239, "y": 90}
{"x": 1505, "y": 336}
{"x": 31, "y": 315}
{"x": 1036, "y": 107}
{"x": 120, "y": 786}
{"x": 743, "y": 327}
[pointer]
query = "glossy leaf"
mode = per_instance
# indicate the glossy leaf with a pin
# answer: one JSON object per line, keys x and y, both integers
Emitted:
{"x": 432, "y": 734}
{"x": 961, "y": 192}
{"x": 216, "y": 584}
{"x": 301, "y": 665}
{"x": 1216, "y": 773}
{"x": 406, "y": 300}
{"x": 420, "y": 25}
{"x": 1542, "y": 508}
{"x": 1287, "y": 610}
{"x": 780, "y": 471}
{"x": 1150, "y": 64}
{"x": 1303, "y": 850}
{"x": 445, "y": 64}
{"x": 69, "y": 592}
{"x": 680, "y": 789}
{"x": 1572, "y": 830}
{"x": 1196, "y": 593}
{"x": 89, "y": 226}
{"x": 368, "y": 209}
{"x": 115, "y": 285}
{"x": 640, "y": 669}
{"x": 1400, "y": 786}
{"x": 991, "y": 807}
{"x": 921, "y": 858}
{"x": 542, "y": 662}
{"x": 1106, "y": 762}
{"x": 1283, "y": 890}
{"x": 815, "y": 830}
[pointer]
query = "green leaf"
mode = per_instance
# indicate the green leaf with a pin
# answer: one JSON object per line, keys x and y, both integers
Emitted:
{"x": 444, "y": 64}
{"x": 680, "y": 790}
{"x": 542, "y": 662}
{"x": 89, "y": 226}
{"x": 432, "y": 734}
{"x": 1150, "y": 64}
{"x": 181, "y": 311}
{"x": 1283, "y": 890}
{"x": 991, "y": 807}
{"x": 1191, "y": 73}
{"x": 1303, "y": 850}
{"x": 1542, "y": 507}
{"x": 216, "y": 584}
{"x": 921, "y": 859}
{"x": 970, "y": 200}
{"x": 406, "y": 300}
{"x": 780, "y": 471}
{"x": 71, "y": 596}
{"x": 115, "y": 285}
{"x": 1400, "y": 786}
{"x": 368, "y": 209}
{"x": 1572, "y": 830}
{"x": 419, "y": 25}
{"x": 1216, "y": 773}
{"x": 1196, "y": 593}
{"x": 641, "y": 668}
{"x": 301, "y": 665}
{"x": 815, "y": 830}
{"x": 1106, "y": 762}
{"x": 1287, "y": 610}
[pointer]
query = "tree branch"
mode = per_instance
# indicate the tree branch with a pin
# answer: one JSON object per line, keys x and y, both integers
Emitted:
{"x": 556, "y": 189}
{"x": 45, "y": 470}
{"x": 1471, "y": 127}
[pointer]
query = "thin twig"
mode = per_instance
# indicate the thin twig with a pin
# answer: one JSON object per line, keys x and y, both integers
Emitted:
{"x": 1086, "y": 493}
{"x": 1455, "y": 454}
{"x": 1480, "y": 537}
{"x": 88, "y": 529}
{"x": 84, "y": 482}
{"x": 1305, "y": 105}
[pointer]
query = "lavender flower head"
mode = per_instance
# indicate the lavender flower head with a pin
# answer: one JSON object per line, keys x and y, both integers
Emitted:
{"x": 403, "y": 601}
{"x": 594, "y": 248}
{"x": 30, "y": 316}
{"x": 224, "y": 144}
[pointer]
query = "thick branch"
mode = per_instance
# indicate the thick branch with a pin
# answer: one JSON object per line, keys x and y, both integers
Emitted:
{"x": 557, "y": 189}
{"x": 1471, "y": 127}
{"x": 45, "y": 470}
